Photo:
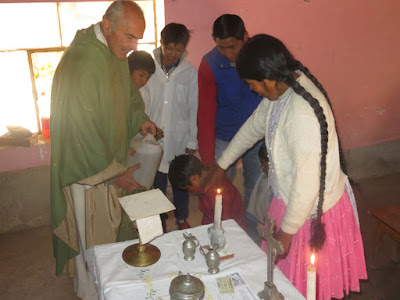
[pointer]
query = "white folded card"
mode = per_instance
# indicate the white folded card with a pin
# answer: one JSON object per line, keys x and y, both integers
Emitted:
{"x": 145, "y": 208}
{"x": 146, "y": 204}
{"x": 149, "y": 228}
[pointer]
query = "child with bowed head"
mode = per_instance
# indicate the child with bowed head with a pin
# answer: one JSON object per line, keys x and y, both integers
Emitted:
{"x": 311, "y": 205}
{"x": 186, "y": 172}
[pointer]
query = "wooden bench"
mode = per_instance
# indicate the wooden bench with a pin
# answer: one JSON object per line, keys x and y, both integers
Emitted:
{"x": 389, "y": 223}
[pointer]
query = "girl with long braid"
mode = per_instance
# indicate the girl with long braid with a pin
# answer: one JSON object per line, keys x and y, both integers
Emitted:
{"x": 311, "y": 205}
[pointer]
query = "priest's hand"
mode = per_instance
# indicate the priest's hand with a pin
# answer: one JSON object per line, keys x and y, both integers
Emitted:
{"x": 127, "y": 182}
{"x": 148, "y": 127}
{"x": 285, "y": 239}
{"x": 215, "y": 176}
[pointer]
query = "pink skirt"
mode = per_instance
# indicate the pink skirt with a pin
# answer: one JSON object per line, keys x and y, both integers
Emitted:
{"x": 340, "y": 264}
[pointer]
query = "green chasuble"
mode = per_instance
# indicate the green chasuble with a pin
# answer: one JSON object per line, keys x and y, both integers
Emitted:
{"x": 95, "y": 111}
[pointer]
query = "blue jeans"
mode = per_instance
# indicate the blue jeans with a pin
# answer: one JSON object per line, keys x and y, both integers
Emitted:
{"x": 181, "y": 198}
{"x": 251, "y": 172}
{"x": 252, "y": 222}
{"x": 251, "y": 166}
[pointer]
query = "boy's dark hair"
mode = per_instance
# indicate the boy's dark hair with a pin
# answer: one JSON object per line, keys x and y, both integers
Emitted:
{"x": 263, "y": 153}
{"x": 175, "y": 33}
{"x": 181, "y": 168}
{"x": 141, "y": 60}
{"x": 227, "y": 26}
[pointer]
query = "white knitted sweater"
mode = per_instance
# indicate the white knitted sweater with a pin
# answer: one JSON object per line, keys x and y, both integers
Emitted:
{"x": 296, "y": 152}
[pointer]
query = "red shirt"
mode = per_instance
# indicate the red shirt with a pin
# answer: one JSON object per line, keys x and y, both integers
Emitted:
{"x": 206, "y": 113}
{"x": 232, "y": 205}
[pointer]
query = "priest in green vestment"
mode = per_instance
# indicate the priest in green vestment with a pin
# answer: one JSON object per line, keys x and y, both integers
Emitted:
{"x": 95, "y": 111}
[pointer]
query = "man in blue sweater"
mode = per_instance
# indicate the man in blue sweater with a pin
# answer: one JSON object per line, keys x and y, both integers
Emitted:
{"x": 226, "y": 102}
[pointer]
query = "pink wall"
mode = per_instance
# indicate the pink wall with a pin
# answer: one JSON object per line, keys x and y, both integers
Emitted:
{"x": 352, "y": 47}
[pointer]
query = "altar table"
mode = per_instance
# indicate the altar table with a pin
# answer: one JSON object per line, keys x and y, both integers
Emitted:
{"x": 117, "y": 280}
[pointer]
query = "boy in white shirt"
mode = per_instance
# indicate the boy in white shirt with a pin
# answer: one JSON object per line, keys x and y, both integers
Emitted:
{"x": 171, "y": 101}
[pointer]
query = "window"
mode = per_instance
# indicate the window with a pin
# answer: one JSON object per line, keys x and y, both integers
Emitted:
{"x": 32, "y": 41}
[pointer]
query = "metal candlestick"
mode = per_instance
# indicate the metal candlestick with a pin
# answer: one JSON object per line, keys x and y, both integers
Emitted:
{"x": 275, "y": 247}
{"x": 216, "y": 235}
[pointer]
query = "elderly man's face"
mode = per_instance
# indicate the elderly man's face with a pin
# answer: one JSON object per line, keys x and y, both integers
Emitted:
{"x": 128, "y": 32}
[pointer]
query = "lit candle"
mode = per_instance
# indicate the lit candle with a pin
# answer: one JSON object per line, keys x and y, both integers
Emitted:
{"x": 218, "y": 208}
{"x": 311, "y": 280}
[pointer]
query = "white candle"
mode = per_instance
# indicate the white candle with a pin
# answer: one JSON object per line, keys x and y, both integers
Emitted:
{"x": 311, "y": 280}
{"x": 218, "y": 208}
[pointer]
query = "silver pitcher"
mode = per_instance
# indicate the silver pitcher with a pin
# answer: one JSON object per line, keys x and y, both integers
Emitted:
{"x": 189, "y": 245}
{"x": 212, "y": 258}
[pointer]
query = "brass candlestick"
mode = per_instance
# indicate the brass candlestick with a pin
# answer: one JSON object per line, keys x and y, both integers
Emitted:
{"x": 275, "y": 247}
{"x": 141, "y": 255}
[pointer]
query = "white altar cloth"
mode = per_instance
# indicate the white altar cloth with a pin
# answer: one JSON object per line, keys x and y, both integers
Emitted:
{"x": 117, "y": 280}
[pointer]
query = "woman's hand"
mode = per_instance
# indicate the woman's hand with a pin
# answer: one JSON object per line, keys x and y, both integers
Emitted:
{"x": 127, "y": 182}
{"x": 215, "y": 176}
{"x": 285, "y": 239}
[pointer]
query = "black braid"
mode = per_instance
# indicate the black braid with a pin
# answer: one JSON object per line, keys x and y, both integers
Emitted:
{"x": 307, "y": 72}
{"x": 317, "y": 228}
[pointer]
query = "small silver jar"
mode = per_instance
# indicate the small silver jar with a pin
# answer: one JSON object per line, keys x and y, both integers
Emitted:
{"x": 186, "y": 287}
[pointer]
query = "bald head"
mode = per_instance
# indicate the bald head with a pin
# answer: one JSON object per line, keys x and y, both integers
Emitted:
{"x": 115, "y": 12}
{"x": 123, "y": 25}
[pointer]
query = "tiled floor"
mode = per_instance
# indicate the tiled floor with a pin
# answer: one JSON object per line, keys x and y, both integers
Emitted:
{"x": 27, "y": 266}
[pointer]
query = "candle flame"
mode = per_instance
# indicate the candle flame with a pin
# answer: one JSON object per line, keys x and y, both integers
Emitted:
{"x": 312, "y": 259}
{"x": 218, "y": 191}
